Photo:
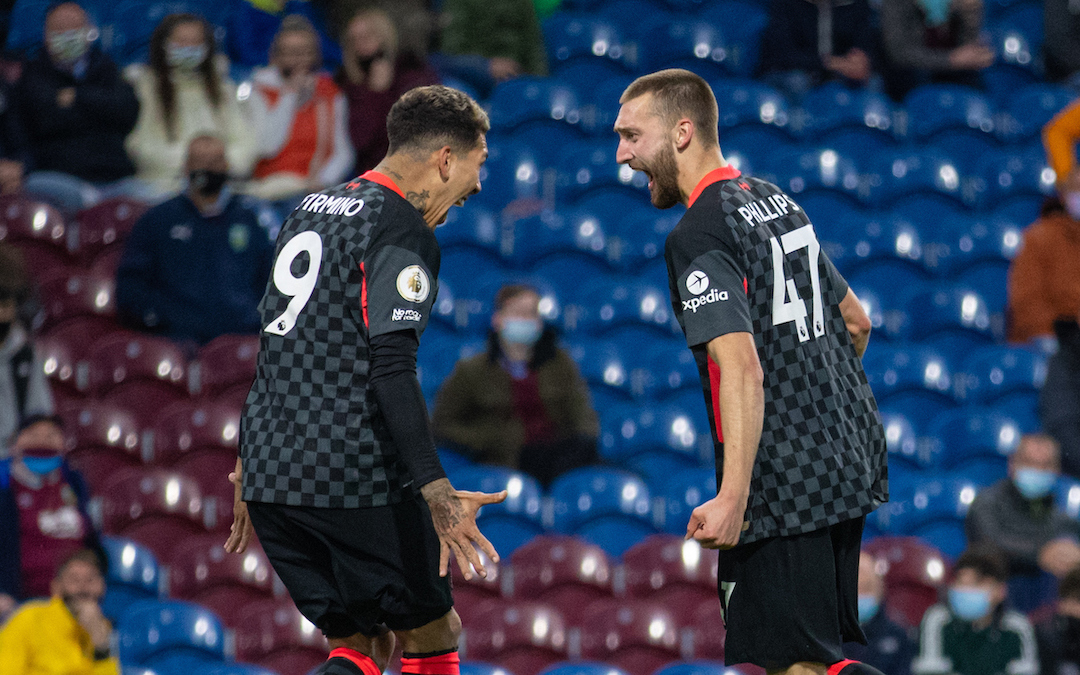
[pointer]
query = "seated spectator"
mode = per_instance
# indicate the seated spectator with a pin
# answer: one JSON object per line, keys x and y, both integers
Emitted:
{"x": 253, "y": 25}
{"x": 373, "y": 76}
{"x": 485, "y": 43}
{"x": 974, "y": 633}
{"x": 889, "y": 647}
{"x": 932, "y": 41}
{"x": 523, "y": 403}
{"x": 1044, "y": 277}
{"x": 196, "y": 266}
{"x": 811, "y": 41}
{"x": 66, "y": 634}
{"x": 24, "y": 391}
{"x": 1061, "y": 44}
{"x": 42, "y": 509}
{"x": 76, "y": 109}
{"x": 1059, "y": 398}
{"x": 182, "y": 95}
{"x": 300, "y": 118}
{"x": 1059, "y": 636}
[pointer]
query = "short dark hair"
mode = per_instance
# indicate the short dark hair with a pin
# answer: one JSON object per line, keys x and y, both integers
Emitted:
{"x": 1070, "y": 585}
{"x": 511, "y": 291}
{"x": 86, "y": 555}
{"x": 678, "y": 93}
{"x": 985, "y": 561}
{"x": 31, "y": 420}
{"x": 427, "y": 118}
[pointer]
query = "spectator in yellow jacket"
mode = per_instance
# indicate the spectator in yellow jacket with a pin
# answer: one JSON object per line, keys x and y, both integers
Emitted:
{"x": 66, "y": 634}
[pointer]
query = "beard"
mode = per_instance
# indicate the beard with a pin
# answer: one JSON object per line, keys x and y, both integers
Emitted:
{"x": 665, "y": 176}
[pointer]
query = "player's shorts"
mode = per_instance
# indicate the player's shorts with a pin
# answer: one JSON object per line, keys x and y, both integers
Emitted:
{"x": 356, "y": 570}
{"x": 792, "y": 599}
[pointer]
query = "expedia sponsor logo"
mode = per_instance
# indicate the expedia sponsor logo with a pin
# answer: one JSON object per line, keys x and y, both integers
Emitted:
{"x": 712, "y": 296}
{"x": 405, "y": 315}
{"x": 334, "y": 206}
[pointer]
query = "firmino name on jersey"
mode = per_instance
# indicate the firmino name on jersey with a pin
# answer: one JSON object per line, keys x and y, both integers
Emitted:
{"x": 770, "y": 208}
{"x": 335, "y": 206}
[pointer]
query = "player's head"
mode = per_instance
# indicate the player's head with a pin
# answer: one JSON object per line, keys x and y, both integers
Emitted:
{"x": 979, "y": 583}
{"x": 666, "y": 116}
{"x": 1034, "y": 465}
{"x": 871, "y": 586}
{"x": 444, "y": 130}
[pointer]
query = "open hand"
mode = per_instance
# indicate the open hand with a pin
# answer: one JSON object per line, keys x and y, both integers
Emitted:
{"x": 718, "y": 523}
{"x": 241, "y": 532}
{"x": 454, "y": 515}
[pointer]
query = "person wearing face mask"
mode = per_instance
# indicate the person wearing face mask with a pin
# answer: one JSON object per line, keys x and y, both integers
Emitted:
{"x": 76, "y": 110}
{"x": 523, "y": 403}
{"x": 68, "y": 632}
{"x": 1018, "y": 515}
{"x": 43, "y": 516}
{"x": 182, "y": 94}
{"x": 1059, "y": 635}
{"x": 974, "y": 632}
{"x": 195, "y": 266}
{"x": 889, "y": 647}
{"x": 24, "y": 390}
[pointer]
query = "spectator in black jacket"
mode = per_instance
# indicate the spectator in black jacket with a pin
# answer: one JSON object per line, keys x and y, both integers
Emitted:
{"x": 1059, "y": 636}
{"x": 889, "y": 647}
{"x": 77, "y": 110}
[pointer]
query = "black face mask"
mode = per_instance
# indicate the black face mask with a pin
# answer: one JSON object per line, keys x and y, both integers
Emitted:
{"x": 206, "y": 182}
{"x": 365, "y": 61}
{"x": 5, "y": 328}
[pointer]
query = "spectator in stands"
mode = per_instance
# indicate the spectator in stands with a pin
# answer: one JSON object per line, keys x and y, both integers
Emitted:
{"x": 43, "y": 515}
{"x": 66, "y": 634}
{"x": 301, "y": 119}
{"x": 1061, "y": 45}
{"x": 485, "y": 43}
{"x": 932, "y": 41}
{"x": 13, "y": 144}
{"x": 1044, "y": 278}
{"x": 24, "y": 391}
{"x": 373, "y": 76}
{"x": 1059, "y": 636}
{"x": 889, "y": 647}
{"x": 1059, "y": 399}
{"x": 1059, "y": 138}
{"x": 811, "y": 41}
{"x": 182, "y": 95}
{"x": 254, "y": 24}
{"x": 76, "y": 109}
{"x": 523, "y": 403}
{"x": 195, "y": 266}
{"x": 975, "y": 633}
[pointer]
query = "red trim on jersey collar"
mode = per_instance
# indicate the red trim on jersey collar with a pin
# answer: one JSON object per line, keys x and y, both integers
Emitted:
{"x": 835, "y": 668}
{"x": 383, "y": 180}
{"x": 723, "y": 173}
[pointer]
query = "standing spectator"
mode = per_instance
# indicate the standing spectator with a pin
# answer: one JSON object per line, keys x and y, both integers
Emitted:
{"x": 1044, "y": 277}
{"x": 182, "y": 95}
{"x": 43, "y": 515}
{"x": 523, "y": 403}
{"x": 932, "y": 41}
{"x": 974, "y": 633}
{"x": 1059, "y": 399}
{"x": 254, "y": 24}
{"x": 300, "y": 116}
{"x": 1061, "y": 46}
{"x": 195, "y": 266}
{"x": 77, "y": 110}
{"x": 24, "y": 391}
{"x": 811, "y": 41}
{"x": 373, "y": 76}
{"x": 889, "y": 647}
{"x": 1059, "y": 636}
{"x": 67, "y": 634}
{"x": 492, "y": 42}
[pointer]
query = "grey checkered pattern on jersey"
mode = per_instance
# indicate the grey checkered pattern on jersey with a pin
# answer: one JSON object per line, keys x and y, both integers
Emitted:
{"x": 822, "y": 457}
{"x": 309, "y": 435}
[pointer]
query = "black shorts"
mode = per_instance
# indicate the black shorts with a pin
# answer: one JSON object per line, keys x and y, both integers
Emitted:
{"x": 356, "y": 570}
{"x": 787, "y": 600}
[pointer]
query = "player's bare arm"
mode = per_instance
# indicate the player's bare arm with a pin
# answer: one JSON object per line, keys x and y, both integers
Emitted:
{"x": 719, "y": 522}
{"x": 241, "y": 532}
{"x": 454, "y": 514}
{"x": 858, "y": 324}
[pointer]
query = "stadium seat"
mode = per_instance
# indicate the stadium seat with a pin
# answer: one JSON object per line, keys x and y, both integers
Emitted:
{"x": 698, "y": 668}
{"x": 132, "y": 22}
{"x": 157, "y": 634}
{"x": 1067, "y": 496}
{"x": 141, "y": 372}
{"x": 1014, "y": 182}
{"x": 889, "y": 249}
{"x": 157, "y": 508}
{"x": 521, "y": 636}
{"x": 583, "y": 668}
{"x": 969, "y": 243}
{"x": 101, "y": 439}
{"x": 915, "y": 381}
{"x": 743, "y": 35}
{"x": 630, "y": 434}
{"x": 225, "y": 362}
{"x": 133, "y": 574}
{"x": 608, "y": 507}
{"x": 473, "y": 596}
{"x": 709, "y": 634}
{"x": 541, "y": 113}
{"x": 747, "y": 104}
{"x": 638, "y": 636}
{"x": 513, "y": 172}
{"x": 638, "y": 239}
{"x": 573, "y": 39}
{"x": 682, "y": 492}
{"x": 954, "y": 317}
{"x": 61, "y": 359}
{"x": 697, "y": 46}
{"x": 577, "y": 233}
{"x": 517, "y": 519}
{"x": 818, "y": 173}
{"x": 565, "y": 572}
{"x": 1000, "y": 375}
{"x": 972, "y": 436}
{"x": 888, "y": 319}
{"x": 671, "y": 371}
{"x": 236, "y": 669}
{"x": 916, "y": 182}
{"x": 106, "y": 225}
{"x": 668, "y": 569}
{"x": 275, "y": 635}
{"x": 39, "y": 232}
{"x": 70, "y": 295}
{"x": 936, "y": 108}
{"x": 1027, "y": 111}
{"x": 935, "y": 512}
{"x": 202, "y": 572}
{"x": 188, "y": 427}
{"x": 915, "y": 572}
{"x": 903, "y": 441}
{"x": 606, "y": 369}
{"x": 590, "y": 169}
{"x": 479, "y": 668}
{"x": 854, "y": 123}
{"x": 605, "y": 307}
{"x": 471, "y": 226}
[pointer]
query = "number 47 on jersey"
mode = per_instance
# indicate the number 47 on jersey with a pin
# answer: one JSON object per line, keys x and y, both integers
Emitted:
{"x": 787, "y": 304}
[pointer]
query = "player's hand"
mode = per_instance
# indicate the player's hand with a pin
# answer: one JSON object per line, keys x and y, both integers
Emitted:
{"x": 454, "y": 515}
{"x": 241, "y": 532}
{"x": 718, "y": 523}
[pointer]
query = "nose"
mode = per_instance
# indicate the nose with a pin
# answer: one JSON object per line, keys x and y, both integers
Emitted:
{"x": 623, "y": 154}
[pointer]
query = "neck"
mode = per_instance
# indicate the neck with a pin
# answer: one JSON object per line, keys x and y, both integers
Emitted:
{"x": 420, "y": 184}
{"x": 696, "y": 164}
{"x": 515, "y": 352}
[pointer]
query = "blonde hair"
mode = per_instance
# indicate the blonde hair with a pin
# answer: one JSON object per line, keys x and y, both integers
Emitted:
{"x": 297, "y": 23}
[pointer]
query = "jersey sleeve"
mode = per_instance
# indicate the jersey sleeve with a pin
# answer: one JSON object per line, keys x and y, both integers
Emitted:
{"x": 839, "y": 283}
{"x": 711, "y": 286}
{"x": 400, "y": 284}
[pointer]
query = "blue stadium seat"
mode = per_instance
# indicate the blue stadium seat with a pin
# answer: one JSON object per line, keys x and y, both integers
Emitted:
{"x": 132, "y": 22}
{"x": 936, "y": 108}
{"x": 922, "y": 180}
{"x": 902, "y": 440}
{"x": 471, "y": 226}
{"x": 634, "y": 19}
{"x": 743, "y": 34}
{"x": 878, "y": 296}
{"x": 996, "y": 375}
{"x": 591, "y": 169}
{"x": 1017, "y": 182}
{"x": 853, "y": 122}
{"x": 603, "y": 95}
{"x": 605, "y": 307}
{"x": 133, "y": 575}
{"x": 573, "y": 39}
{"x": 967, "y": 243}
{"x": 453, "y": 461}
{"x": 671, "y": 371}
{"x": 1018, "y": 35}
{"x": 696, "y": 46}
{"x": 608, "y": 507}
{"x": 1067, "y": 496}
{"x": 27, "y": 19}
{"x": 629, "y": 433}
{"x": 235, "y": 669}
{"x": 751, "y": 106}
{"x": 605, "y": 367}
{"x": 565, "y": 273}
{"x": 637, "y": 239}
{"x": 698, "y": 668}
{"x": 512, "y": 171}
{"x": 912, "y": 380}
{"x": 517, "y": 519}
{"x": 541, "y": 113}
{"x": 975, "y": 441}
{"x": 1027, "y": 111}
{"x": 952, "y": 316}
{"x": 477, "y": 668}
{"x": 803, "y": 173}
{"x": 167, "y": 634}
{"x": 583, "y": 668}
{"x": 682, "y": 492}
{"x": 885, "y": 247}
{"x": 558, "y": 232}
{"x": 935, "y": 513}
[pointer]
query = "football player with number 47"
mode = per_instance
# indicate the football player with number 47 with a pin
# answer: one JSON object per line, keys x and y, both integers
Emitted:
{"x": 338, "y": 472}
{"x": 778, "y": 337}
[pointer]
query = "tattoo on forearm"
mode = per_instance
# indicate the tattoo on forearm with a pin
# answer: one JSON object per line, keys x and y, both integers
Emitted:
{"x": 418, "y": 199}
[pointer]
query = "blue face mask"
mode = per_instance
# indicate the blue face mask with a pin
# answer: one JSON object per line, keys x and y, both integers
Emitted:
{"x": 937, "y": 11}
{"x": 868, "y": 607}
{"x": 969, "y": 604}
{"x": 521, "y": 331}
{"x": 43, "y": 465}
{"x": 1034, "y": 483}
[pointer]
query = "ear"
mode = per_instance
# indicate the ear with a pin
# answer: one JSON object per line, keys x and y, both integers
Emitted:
{"x": 684, "y": 133}
{"x": 444, "y": 156}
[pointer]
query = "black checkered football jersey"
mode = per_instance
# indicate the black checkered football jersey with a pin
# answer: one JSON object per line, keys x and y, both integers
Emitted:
{"x": 352, "y": 262}
{"x": 744, "y": 258}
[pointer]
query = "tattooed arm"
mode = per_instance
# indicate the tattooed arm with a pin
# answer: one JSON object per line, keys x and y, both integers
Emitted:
{"x": 454, "y": 515}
